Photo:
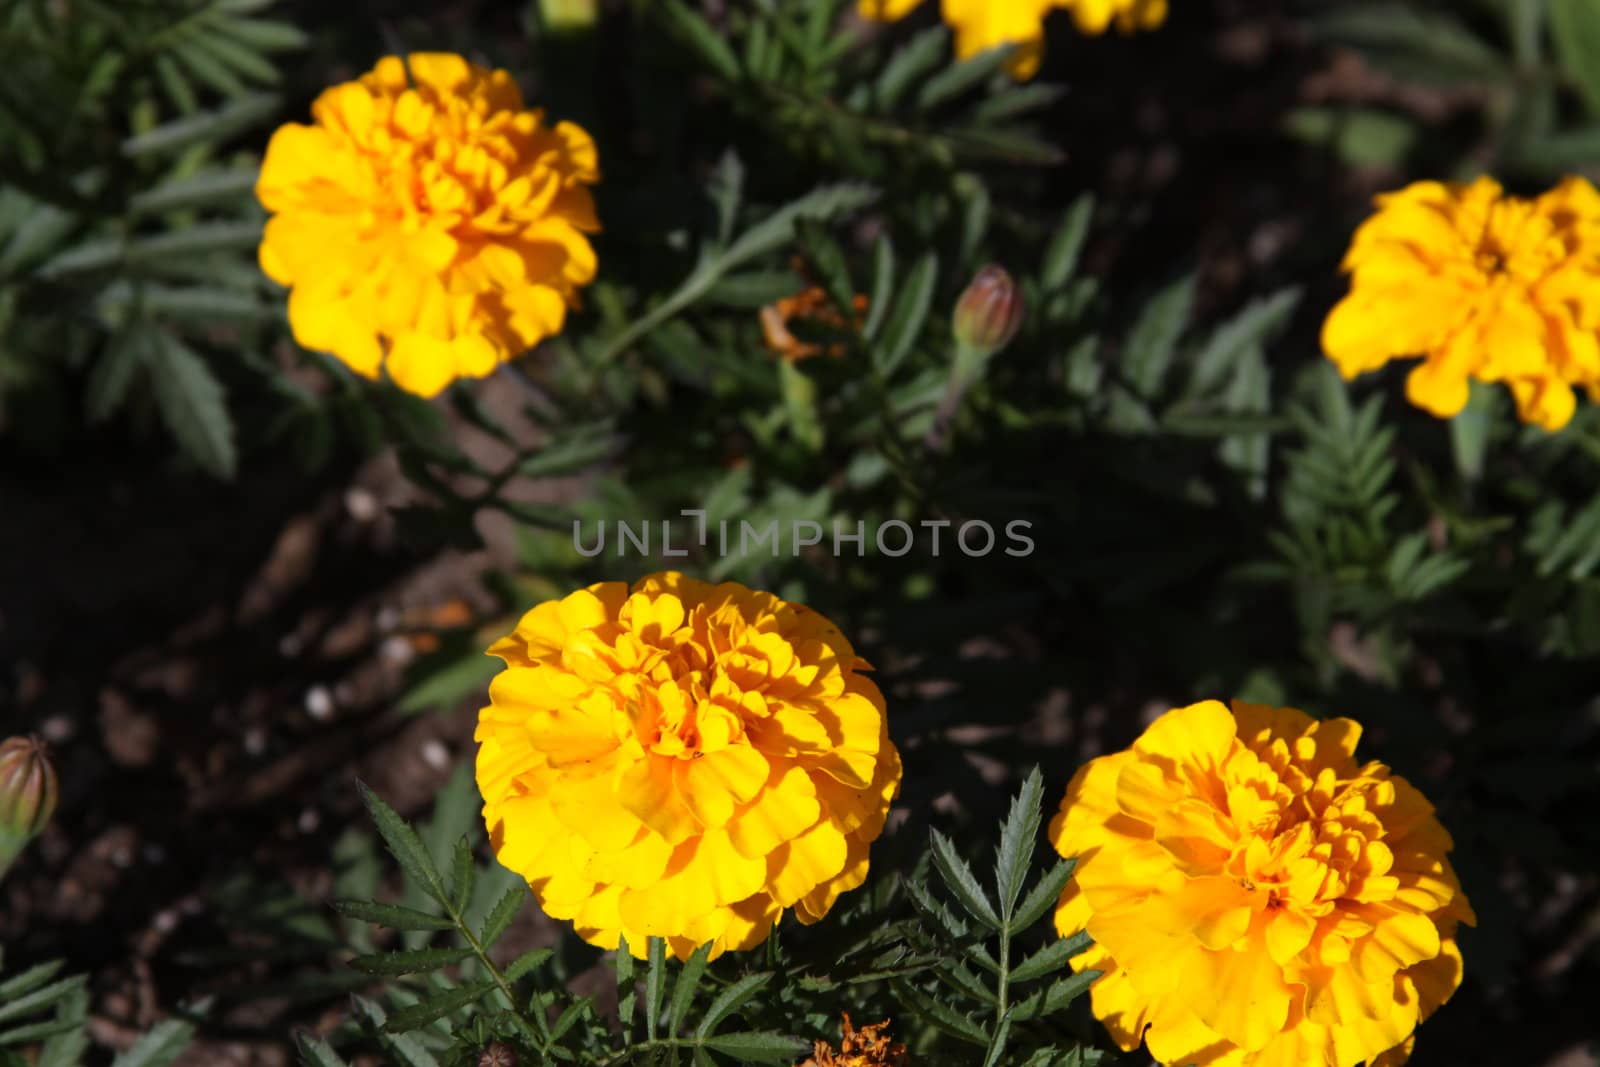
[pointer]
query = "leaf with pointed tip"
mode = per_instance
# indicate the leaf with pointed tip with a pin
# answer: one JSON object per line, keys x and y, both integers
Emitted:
{"x": 394, "y": 916}
{"x": 758, "y": 1046}
{"x": 163, "y": 1044}
{"x": 505, "y": 911}
{"x": 404, "y": 845}
{"x": 730, "y": 1000}
{"x": 415, "y": 961}
{"x": 960, "y": 880}
{"x": 416, "y": 1016}
{"x": 315, "y": 1052}
{"x": 1018, "y": 836}
{"x": 1053, "y": 957}
{"x": 683, "y": 990}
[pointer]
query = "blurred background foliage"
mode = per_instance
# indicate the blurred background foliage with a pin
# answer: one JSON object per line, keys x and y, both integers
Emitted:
{"x": 1214, "y": 513}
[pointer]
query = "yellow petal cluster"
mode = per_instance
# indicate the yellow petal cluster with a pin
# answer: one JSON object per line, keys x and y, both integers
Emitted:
{"x": 1479, "y": 285}
{"x": 683, "y": 760}
{"x": 427, "y": 224}
{"x": 1256, "y": 896}
{"x": 980, "y": 25}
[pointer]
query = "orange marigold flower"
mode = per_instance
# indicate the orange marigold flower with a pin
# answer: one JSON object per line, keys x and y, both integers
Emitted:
{"x": 866, "y": 1047}
{"x": 980, "y": 25}
{"x": 427, "y": 224}
{"x": 1256, "y": 896}
{"x": 809, "y": 305}
{"x": 1479, "y": 285}
{"x": 683, "y": 760}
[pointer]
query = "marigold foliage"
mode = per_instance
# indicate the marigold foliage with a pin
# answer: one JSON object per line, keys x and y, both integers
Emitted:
{"x": 427, "y": 224}
{"x": 1479, "y": 285}
{"x": 1256, "y": 896}
{"x": 683, "y": 760}
{"x": 980, "y": 25}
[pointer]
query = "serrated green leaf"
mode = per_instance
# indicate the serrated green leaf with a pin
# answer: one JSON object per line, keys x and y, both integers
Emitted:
{"x": 505, "y": 911}
{"x": 1044, "y": 894}
{"x": 405, "y": 1049}
{"x": 191, "y": 403}
{"x": 393, "y": 916}
{"x": 684, "y": 989}
{"x": 416, "y": 1016}
{"x": 882, "y": 286}
{"x": 1054, "y": 997}
{"x": 758, "y": 1046}
{"x": 404, "y": 845}
{"x": 265, "y": 35}
{"x": 1066, "y": 246}
{"x": 315, "y": 1052}
{"x": 204, "y": 189}
{"x": 163, "y": 1044}
{"x": 40, "y": 998}
{"x": 655, "y": 986}
{"x": 729, "y": 1001}
{"x": 960, "y": 880}
{"x": 698, "y": 34}
{"x": 915, "y": 60}
{"x": 910, "y": 312}
{"x": 463, "y": 875}
{"x": 944, "y": 1017}
{"x": 1155, "y": 337}
{"x": 1228, "y": 343}
{"x": 627, "y": 992}
{"x": 527, "y": 963}
{"x": 997, "y": 1043}
{"x": 1018, "y": 836}
{"x": 1053, "y": 957}
{"x": 207, "y": 127}
{"x": 963, "y": 76}
{"x": 29, "y": 980}
{"x": 39, "y": 1031}
{"x": 414, "y": 961}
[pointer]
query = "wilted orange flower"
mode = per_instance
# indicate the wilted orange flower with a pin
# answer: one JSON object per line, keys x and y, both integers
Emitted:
{"x": 867, "y": 1047}
{"x": 980, "y": 25}
{"x": 1256, "y": 896}
{"x": 1479, "y": 285}
{"x": 683, "y": 760}
{"x": 810, "y": 305}
{"x": 428, "y": 225}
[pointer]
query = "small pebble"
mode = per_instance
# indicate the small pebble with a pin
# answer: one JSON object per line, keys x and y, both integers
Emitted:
{"x": 435, "y": 755}
{"x": 361, "y": 504}
{"x": 309, "y": 820}
{"x": 319, "y": 702}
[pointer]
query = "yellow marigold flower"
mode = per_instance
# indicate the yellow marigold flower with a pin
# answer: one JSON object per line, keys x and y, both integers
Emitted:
{"x": 1256, "y": 896}
{"x": 980, "y": 25}
{"x": 683, "y": 760}
{"x": 1479, "y": 285}
{"x": 869, "y": 1046}
{"x": 426, "y": 223}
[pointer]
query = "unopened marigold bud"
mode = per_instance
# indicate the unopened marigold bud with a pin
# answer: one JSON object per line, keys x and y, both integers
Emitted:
{"x": 28, "y": 794}
{"x": 562, "y": 15}
{"x": 498, "y": 1054}
{"x": 989, "y": 313}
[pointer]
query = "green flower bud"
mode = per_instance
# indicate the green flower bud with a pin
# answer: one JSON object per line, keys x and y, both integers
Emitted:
{"x": 28, "y": 794}
{"x": 990, "y": 311}
{"x": 567, "y": 15}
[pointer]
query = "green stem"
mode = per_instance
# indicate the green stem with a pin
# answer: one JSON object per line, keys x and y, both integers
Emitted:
{"x": 1003, "y": 993}
{"x": 499, "y": 977}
